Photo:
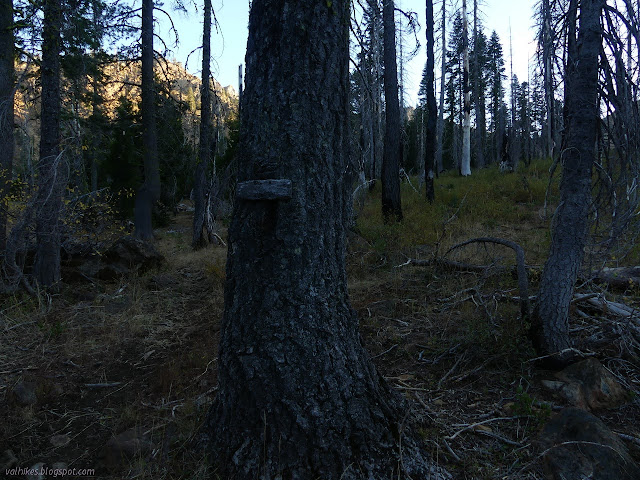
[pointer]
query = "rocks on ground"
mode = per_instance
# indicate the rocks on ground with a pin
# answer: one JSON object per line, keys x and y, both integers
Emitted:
{"x": 577, "y": 445}
{"x": 589, "y": 386}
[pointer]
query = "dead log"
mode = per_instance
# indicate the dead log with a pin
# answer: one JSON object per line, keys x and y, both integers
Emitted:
{"x": 619, "y": 277}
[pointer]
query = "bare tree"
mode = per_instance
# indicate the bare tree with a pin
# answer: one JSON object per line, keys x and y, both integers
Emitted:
{"x": 465, "y": 163}
{"x": 443, "y": 69}
{"x": 391, "y": 201}
{"x": 298, "y": 396}
{"x": 547, "y": 67}
{"x": 432, "y": 110}
{"x": 478, "y": 90}
{"x": 52, "y": 172}
{"x": 550, "y": 326}
{"x": 201, "y": 226}
{"x": 7, "y": 87}
{"x": 149, "y": 193}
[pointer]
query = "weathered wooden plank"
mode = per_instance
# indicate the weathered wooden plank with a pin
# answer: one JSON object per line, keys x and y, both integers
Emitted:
{"x": 273, "y": 189}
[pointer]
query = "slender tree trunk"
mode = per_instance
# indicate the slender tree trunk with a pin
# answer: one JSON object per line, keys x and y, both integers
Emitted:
{"x": 478, "y": 97}
{"x": 51, "y": 171}
{"x": 298, "y": 397}
{"x": 377, "y": 91}
{"x": 440, "y": 126}
{"x": 6, "y": 112}
{"x": 465, "y": 163}
{"x": 550, "y": 327}
{"x": 432, "y": 111}
{"x": 149, "y": 193}
{"x": 200, "y": 238}
{"x": 547, "y": 59}
{"x": 391, "y": 202}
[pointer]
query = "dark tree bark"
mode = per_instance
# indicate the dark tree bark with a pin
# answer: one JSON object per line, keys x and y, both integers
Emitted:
{"x": 200, "y": 237}
{"x": 51, "y": 171}
{"x": 149, "y": 193}
{"x": 391, "y": 202}
{"x": 6, "y": 112}
{"x": 550, "y": 328}
{"x": 298, "y": 397}
{"x": 432, "y": 109}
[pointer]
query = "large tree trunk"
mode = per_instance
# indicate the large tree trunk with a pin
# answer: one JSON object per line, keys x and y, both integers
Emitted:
{"x": 149, "y": 193}
{"x": 432, "y": 110}
{"x": 550, "y": 327}
{"x": 51, "y": 171}
{"x": 465, "y": 163}
{"x": 391, "y": 202}
{"x": 200, "y": 237}
{"x": 6, "y": 112}
{"x": 298, "y": 397}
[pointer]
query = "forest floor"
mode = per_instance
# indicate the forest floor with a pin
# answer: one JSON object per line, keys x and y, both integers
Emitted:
{"x": 130, "y": 366}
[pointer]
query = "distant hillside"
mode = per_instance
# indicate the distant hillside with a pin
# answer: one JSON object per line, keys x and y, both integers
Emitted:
{"x": 120, "y": 79}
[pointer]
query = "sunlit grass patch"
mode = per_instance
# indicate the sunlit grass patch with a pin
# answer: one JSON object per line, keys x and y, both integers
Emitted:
{"x": 487, "y": 203}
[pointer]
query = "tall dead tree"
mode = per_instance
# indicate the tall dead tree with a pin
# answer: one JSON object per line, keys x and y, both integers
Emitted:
{"x": 149, "y": 193}
{"x": 547, "y": 68}
{"x": 52, "y": 172}
{"x": 432, "y": 109}
{"x": 201, "y": 226}
{"x": 550, "y": 326}
{"x": 478, "y": 90}
{"x": 465, "y": 162}
{"x": 298, "y": 396}
{"x": 391, "y": 201}
{"x": 443, "y": 69}
{"x": 7, "y": 86}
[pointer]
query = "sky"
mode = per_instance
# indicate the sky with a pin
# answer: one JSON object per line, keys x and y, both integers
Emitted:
{"x": 228, "y": 45}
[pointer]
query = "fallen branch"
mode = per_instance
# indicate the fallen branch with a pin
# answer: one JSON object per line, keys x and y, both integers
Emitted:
{"x": 619, "y": 277}
{"x": 523, "y": 283}
{"x": 474, "y": 425}
{"x": 102, "y": 385}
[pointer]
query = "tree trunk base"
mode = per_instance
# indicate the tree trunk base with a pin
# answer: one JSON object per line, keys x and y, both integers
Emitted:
{"x": 359, "y": 455}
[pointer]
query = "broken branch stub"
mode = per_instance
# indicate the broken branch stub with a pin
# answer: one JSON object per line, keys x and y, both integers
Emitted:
{"x": 264, "y": 190}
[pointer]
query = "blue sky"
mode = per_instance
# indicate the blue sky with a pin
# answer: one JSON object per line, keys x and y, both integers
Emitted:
{"x": 229, "y": 45}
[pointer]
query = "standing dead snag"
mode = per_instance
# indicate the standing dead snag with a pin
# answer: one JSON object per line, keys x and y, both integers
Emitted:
{"x": 298, "y": 396}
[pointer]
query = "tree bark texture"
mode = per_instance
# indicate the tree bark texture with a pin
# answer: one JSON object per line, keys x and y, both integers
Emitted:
{"x": 6, "y": 112}
{"x": 298, "y": 396}
{"x": 432, "y": 109}
{"x": 149, "y": 193}
{"x": 465, "y": 163}
{"x": 51, "y": 171}
{"x": 200, "y": 238}
{"x": 550, "y": 329}
{"x": 391, "y": 202}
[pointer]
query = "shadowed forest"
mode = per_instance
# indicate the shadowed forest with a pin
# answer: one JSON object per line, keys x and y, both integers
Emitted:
{"x": 305, "y": 277}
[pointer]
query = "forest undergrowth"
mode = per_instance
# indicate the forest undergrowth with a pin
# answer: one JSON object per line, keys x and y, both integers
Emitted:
{"x": 123, "y": 372}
